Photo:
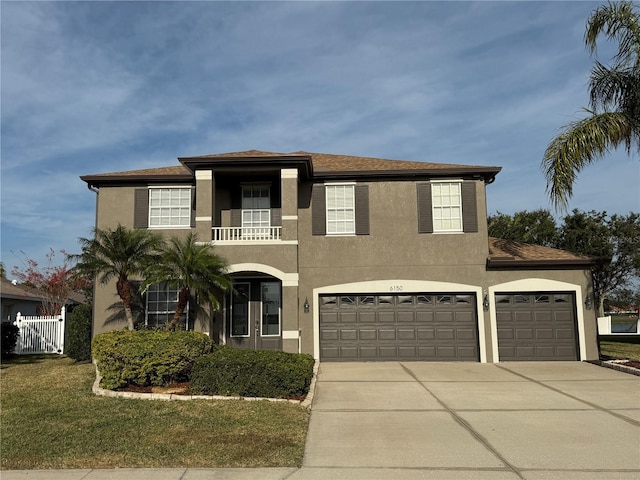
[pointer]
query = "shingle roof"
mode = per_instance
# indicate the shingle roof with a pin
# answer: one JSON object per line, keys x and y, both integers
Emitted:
{"x": 504, "y": 253}
{"x": 22, "y": 292}
{"x": 323, "y": 164}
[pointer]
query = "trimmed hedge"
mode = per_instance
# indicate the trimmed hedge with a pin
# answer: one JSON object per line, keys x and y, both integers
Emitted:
{"x": 77, "y": 345}
{"x": 252, "y": 373}
{"x": 146, "y": 357}
{"x": 9, "y": 333}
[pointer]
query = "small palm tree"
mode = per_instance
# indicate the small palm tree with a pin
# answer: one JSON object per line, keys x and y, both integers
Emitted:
{"x": 614, "y": 113}
{"x": 192, "y": 269}
{"x": 120, "y": 253}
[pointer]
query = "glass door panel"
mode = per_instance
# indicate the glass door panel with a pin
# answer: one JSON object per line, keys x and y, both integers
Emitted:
{"x": 270, "y": 322}
{"x": 240, "y": 310}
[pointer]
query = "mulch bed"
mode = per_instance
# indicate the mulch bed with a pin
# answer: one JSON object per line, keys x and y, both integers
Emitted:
{"x": 180, "y": 388}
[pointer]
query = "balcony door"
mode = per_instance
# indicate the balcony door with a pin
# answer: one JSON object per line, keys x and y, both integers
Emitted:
{"x": 254, "y": 315}
{"x": 256, "y": 211}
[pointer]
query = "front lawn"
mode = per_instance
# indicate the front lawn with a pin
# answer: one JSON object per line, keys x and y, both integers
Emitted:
{"x": 621, "y": 348}
{"x": 50, "y": 419}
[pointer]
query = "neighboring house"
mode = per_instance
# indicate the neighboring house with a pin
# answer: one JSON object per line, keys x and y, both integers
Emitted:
{"x": 355, "y": 258}
{"x": 16, "y": 298}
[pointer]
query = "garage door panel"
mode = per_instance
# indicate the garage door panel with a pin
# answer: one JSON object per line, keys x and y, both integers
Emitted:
{"x": 387, "y": 317}
{"x": 406, "y": 334}
{"x": 368, "y": 334}
{"x": 399, "y": 326}
{"x": 329, "y": 334}
{"x": 406, "y": 317}
{"x": 367, "y": 317}
{"x": 348, "y": 334}
{"x": 536, "y": 326}
{"x": 424, "y": 317}
{"x": 426, "y": 334}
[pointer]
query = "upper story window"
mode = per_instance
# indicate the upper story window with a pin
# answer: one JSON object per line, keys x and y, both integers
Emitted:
{"x": 340, "y": 210}
{"x": 447, "y": 206}
{"x": 256, "y": 206}
{"x": 446, "y": 202}
{"x": 169, "y": 207}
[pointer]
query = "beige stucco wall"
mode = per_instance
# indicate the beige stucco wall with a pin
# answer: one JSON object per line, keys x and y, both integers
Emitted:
{"x": 394, "y": 255}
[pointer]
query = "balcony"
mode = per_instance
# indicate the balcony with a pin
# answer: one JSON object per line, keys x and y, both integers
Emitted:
{"x": 246, "y": 234}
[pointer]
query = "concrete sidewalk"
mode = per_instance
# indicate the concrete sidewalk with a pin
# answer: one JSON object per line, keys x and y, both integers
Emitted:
{"x": 418, "y": 420}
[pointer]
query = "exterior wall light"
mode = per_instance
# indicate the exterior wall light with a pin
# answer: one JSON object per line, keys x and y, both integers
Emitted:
{"x": 485, "y": 301}
{"x": 306, "y": 305}
{"x": 588, "y": 302}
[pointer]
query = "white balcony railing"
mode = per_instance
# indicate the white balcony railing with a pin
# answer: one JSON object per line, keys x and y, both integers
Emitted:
{"x": 245, "y": 234}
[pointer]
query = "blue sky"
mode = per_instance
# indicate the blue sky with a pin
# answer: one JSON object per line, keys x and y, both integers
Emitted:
{"x": 93, "y": 87}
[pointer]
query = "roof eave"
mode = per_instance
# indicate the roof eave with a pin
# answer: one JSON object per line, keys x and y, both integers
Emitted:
{"x": 508, "y": 264}
{"x": 302, "y": 163}
{"x": 487, "y": 174}
{"x": 99, "y": 180}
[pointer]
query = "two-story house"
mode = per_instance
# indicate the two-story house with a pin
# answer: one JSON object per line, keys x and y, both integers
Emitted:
{"x": 354, "y": 258}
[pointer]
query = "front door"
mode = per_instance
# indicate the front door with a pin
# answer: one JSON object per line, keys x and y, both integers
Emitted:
{"x": 254, "y": 315}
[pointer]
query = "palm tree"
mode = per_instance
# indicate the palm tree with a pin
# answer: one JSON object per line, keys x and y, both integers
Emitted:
{"x": 119, "y": 253}
{"x": 614, "y": 113}
{"x": 191, "y": 268}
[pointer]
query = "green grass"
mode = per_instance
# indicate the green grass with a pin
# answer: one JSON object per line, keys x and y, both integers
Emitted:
{"x": 621, "y": 348}
{"x": 51, "y": 419}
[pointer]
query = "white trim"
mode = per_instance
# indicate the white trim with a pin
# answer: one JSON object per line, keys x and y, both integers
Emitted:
{"x": 290, "y": 334}
{"x": 331, "y": 184}
{"x": 289, "y": 217}
{"x": 203, "y": 219}
{"x": 446, "y": 180}
{"x": 204, "y": 175}
{"x": 397, "y": 287}
{"x": 288, "y": 279}
{"x": 289, "y": 173}
{"x": 252, "y": 242}
{"x": 536, "y": 285}
{"x": 152, "y": 187}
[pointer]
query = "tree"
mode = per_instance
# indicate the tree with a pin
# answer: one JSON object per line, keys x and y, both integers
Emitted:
{"x": 615, "y": 241}
{"x": 537, "y": 227}
{"x": 194, "y": 270}
{"x": 614, "y": 114}
{"x": 53, "y": 282}
{"x": 120, "y": 253}
{"x": 3, "y": 270}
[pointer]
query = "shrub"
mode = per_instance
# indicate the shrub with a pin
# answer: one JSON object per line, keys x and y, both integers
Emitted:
{"x": 77, "y": 344}
{"x": 252, "y": 373}
{"x": 9, "y": 333}
{"x": 146, "y": 357}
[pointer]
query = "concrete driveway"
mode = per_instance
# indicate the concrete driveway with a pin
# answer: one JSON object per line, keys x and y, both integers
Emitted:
{"x": 418, "y": 420}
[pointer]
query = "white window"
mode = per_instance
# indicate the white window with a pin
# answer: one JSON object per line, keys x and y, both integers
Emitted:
{"x": 340, "y": 209}
{"x": 256, "y": 210}
{"x": 446, "y": 200}
{"x": 169, "y": 207}
{"x": 162, "y": 302}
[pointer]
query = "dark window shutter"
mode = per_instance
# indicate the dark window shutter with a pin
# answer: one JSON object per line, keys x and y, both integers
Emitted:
{"x": 193, "y": 208}
{"x": 318, "y": 210}
{"x": 141, "y": 208}
{"x": 469, "y": 207}
{"x": 362, "y": 209}
{"x": 425, "y": 215}
{"x": 276, "y": 217}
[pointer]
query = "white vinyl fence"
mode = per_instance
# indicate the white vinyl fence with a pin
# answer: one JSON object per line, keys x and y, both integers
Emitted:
{"x": 606, "y": 327}
{"x": 40, "y": 334}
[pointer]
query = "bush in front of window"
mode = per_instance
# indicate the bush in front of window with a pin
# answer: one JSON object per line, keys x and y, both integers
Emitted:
{"x": 252, "y": 373}
{"x": 147, "y": 357}
{"x": 77, "y": 343}
{"x": 9, "y": 333}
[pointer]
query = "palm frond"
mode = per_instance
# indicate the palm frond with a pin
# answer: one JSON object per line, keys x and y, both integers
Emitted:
{"x": 580, "y": 144}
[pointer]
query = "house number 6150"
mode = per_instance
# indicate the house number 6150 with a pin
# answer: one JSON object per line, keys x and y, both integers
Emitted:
{"x": 396, "y": 288}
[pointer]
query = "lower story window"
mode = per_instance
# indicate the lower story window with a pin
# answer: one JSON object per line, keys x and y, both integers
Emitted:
{"x": 162, "y": 301}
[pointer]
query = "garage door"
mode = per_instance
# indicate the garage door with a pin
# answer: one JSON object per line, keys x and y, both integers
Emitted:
{"x": 536, "y": 326}
{"x": 420, "y": 326}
